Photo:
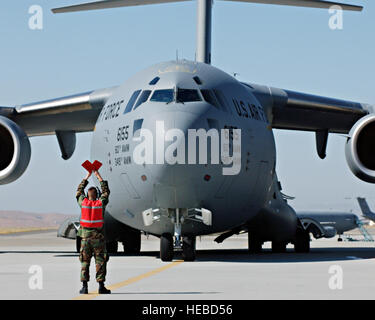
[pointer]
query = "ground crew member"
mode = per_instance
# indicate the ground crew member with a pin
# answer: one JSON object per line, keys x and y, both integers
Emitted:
{"x": 91, "y": 232}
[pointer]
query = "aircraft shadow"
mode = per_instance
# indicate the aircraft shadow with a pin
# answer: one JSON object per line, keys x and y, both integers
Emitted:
{"x": 239, "y": 255}
{"x": 243, "y": 256}
{"x": 161, "y": 293}
{"x": 315, "y": 255}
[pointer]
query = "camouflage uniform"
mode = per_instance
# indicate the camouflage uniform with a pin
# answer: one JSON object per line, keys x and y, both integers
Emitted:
{"x": 93, "y": 242}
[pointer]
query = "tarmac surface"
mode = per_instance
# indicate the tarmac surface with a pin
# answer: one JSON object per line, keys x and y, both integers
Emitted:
{"x": 39, "y": 265}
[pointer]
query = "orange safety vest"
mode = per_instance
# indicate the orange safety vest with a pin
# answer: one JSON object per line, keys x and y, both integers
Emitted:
{"x": 92, "y": 213}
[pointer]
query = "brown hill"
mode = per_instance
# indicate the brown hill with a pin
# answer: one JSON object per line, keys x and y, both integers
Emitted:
{"x": 24, "y": 220}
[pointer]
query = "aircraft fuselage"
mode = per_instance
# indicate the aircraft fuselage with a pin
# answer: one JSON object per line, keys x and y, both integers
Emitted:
{"x": 210, "y": 99}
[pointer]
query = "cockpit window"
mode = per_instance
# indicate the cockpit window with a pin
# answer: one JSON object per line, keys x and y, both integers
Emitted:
{"x": 143, "y": 98}
{"x": 188, "y": 95}
{"x": 164, "y": 95}
{"x": 132, "y": 100}
{"x": 182, "y": 95}
{"x": 221, "y": 98}
{"x": 197, "y": 80}
{"x": 209, "y": 96}
{"x": 154, "y": 81}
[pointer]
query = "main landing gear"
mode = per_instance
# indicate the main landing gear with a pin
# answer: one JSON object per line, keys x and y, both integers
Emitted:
{"x": 131, "y": 242}
{"x": 78, "y": 244}
{"x": 302, "y": 242}
{"x": 112, "y": 247}
{"x": 279, "y": 247}
{"x": 254, "y": 243}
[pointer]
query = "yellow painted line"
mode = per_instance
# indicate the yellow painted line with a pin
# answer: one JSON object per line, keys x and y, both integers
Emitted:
{"x": 21, "y": 230}
{"x": 93, "y": 295}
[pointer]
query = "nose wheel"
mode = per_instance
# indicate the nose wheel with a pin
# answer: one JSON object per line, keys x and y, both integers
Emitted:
{"x": 166, "y": 247}
{"x": 188, "y": 248}
{"x": 169, "y": 242}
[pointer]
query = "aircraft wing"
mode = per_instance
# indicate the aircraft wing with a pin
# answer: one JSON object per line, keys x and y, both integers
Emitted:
{"x": 300, "y": 111}
{"x": 76, "y": 113}
{"x": 107, "y": 4}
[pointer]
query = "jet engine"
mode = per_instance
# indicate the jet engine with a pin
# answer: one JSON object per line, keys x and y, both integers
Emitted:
{"x": 360, "y": 149}
{"x": 15, "y": 151}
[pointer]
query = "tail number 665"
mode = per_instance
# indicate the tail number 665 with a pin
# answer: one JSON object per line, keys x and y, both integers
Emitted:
{"x": 123, "y": 133}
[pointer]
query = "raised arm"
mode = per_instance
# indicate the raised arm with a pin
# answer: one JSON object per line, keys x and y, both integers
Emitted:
{"x": 105, "y": 189}
{"x": 80, "y": 195}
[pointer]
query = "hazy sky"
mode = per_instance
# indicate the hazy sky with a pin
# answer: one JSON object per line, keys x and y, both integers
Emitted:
{"x": 291, "y": 48}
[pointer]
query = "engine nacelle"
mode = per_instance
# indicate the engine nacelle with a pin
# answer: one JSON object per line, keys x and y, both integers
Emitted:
{"x": 15, "y": 151}
{"x": 360, "y": 149}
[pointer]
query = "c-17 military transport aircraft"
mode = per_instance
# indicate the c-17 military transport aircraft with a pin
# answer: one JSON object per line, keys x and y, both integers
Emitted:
{"x": 188, "y": 149}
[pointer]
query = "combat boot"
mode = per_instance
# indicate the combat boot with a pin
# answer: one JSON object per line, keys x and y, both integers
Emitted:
{"x": 103, "y": 289}
{"x": 84, "y": 289}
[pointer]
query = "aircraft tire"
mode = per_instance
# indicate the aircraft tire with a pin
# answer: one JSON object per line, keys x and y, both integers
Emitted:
{"x": 166, "y": 247}
{"x": 188, "y": 249}
{"x": 112, "y": 246}
{"x": 302, "y": 243}
{"x": 78, "y": 244}
{"x": 278, "y": 247}
{"x": 132, "y": 245}
{"x": 255, "y": 245}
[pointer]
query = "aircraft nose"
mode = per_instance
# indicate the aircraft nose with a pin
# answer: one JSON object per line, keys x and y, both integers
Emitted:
{"x": 178, "y": 181}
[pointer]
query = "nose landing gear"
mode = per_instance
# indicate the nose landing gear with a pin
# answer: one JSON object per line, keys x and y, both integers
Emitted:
{"x": 166, "y": 247}
{"x": 188, "y": 249}
{"x": 186, "y": 243}
{"x": 170, "y": 243}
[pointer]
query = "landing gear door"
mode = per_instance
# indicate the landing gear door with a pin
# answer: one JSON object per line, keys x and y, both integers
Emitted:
{"x": 148, "y": 217}
{"x": 207, "y": 217}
